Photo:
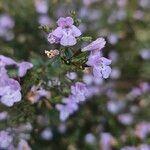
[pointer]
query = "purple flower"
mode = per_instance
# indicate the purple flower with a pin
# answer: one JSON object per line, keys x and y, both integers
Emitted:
{"x": 36, "y": 93}
{"x": 80, "y": 91}
{"x": 71, "y": 75}
{"x": 47, "y": 134}
{"x": 52, "y": 38}
{"x": 115, "y": 106}
{"x": 64, "y": 111}
{"x": 7, "y": 61}
{"x": 6, "y": 22}
{"x": 65, "y": 22}
{"x": 3, "y": 115}
{"x": 44, "y": 20}
{"x": 41, "y": 6}
{"x": 71, "y": 103}
{"x": 90, "y": 138}
{"x": 145, "y": 87}
{"x": 113, "y": 38}
{"x": 96, "y": 45}
{"x": 23, "y": 145}
{"x": 5, "y": 139}
{"x": 23, "y": 67}
{"x": 143, "y": 147}
{"x": 126, "y": 119}
{"x": 100, "y": 66}
{"x": 113, "y": 55}
{"x": 106, "y": 141}
{"x": 9, "y": 92}
{"x": 103, "y": 71}
{"x": 62, "y": 128}
{"x": 66, "y": 32}
{"x": 145, "y": 54}
{"x": 115, "y": 74}
{"x": 142, "y": 130}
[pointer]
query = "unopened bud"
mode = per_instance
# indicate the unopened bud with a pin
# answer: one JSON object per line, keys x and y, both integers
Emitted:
{"x": 52, "y": 53}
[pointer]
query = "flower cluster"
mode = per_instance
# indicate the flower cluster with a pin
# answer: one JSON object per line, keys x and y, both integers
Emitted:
{"x": 21, "y": 134}
{"x": 65, "y": 33}
{"x": 79, "y": 93}
{"x": 99, "y": 64}
{"x": 10, "y": 89}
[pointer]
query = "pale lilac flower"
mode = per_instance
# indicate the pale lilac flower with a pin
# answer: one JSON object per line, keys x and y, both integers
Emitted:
{"x": 41, "y": 6}
{"x": 143, "y": 147}
{"x": 3, "y": 115}
{"x": 6, "y": 22}
{"x": 66, "y": 32}
{"x": 100, "y": 66}
{"x": 121, "y": 3}
{"x": 145, "y": 87}
{"x": 23, "y": 145}
{"x": 96, "y": 45}
{"x": 115, "y": 73}
{"x": 126, "y": 119}
{"x": 134, "y": 93}
{"x": 106, "y": 141}
{"x": 44, "y": 20}
{"x": 89, "y": 138}
{"x": 88, "y": 79}
{"x": 96, "y": 60}
{"x": 47, "y": 134}
{"x": 62, "y": 128}
{"x": 9, "y": 92}
{"x": 3, "y": 75}
{"x": 145, "y": 54}
{"x": 80, "y": 91}
{"x": 68, "y": 107}
{"x": 52, "y": 38}
{"x": 115, "y": 106}
{"x": 142, "y": 130}
{"x": 113, "y": 38}
{"x": 65, "y": 110}
{"x": 138, "y": 14}
{"x": 121, "y": 14}
{"x": 70, "y": 102}
{"x": 7, "y": 61}
{"x": 23, "y": 67}
{"x": 71, "y": 75}
{"x": 5, "y": 139}
{"x": 104, "y": 72}
{"x": 113, "y": 55}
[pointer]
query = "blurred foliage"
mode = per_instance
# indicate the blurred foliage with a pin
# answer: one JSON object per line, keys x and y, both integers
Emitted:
{"x": 29, "y": 43}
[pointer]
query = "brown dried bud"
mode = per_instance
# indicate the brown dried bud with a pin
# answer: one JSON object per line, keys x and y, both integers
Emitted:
{"x": 52, "y": 53}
